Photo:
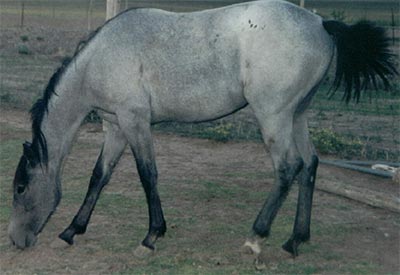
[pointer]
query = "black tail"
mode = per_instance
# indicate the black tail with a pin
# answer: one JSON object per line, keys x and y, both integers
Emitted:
{"x": 363, "y": 57}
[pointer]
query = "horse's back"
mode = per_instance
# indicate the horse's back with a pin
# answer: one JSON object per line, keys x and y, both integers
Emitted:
{"x": 195, "y": 66}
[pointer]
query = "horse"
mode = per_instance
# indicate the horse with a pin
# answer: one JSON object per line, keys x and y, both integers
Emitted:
{"x": 148, "y": 66}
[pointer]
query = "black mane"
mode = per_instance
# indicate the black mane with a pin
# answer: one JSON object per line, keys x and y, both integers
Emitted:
{"x": 40, "y": 108}
{"x": 38, "y": 111}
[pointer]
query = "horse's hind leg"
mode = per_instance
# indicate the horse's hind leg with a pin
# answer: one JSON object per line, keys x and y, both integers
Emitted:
{"x": 306, "y": 179}
{"x": 113, "y": 147}
{"x": 277, "y": 131}
{"x": 136, "y": 127}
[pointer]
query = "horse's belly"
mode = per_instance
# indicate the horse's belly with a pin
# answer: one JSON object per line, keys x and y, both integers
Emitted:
{"x": 200, "y": 103}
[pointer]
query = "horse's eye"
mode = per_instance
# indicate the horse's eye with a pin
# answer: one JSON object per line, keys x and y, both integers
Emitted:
{"x": 21, "y": 189}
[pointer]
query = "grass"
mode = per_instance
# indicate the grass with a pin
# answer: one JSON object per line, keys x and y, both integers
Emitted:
{"x": 23, "y": 78}
{"x": 8, "y": 162}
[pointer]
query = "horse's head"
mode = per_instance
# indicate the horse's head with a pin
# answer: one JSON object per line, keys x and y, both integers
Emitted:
{"x": 36, "y": 196}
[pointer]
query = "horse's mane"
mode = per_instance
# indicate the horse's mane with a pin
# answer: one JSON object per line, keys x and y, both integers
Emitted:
{"x": 40, "y": 108}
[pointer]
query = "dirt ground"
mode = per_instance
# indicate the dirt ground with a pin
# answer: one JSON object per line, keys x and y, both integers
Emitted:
{"x": 206, "y": 225}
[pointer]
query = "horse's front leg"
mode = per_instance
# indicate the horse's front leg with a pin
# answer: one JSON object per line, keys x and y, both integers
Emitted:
{"x": 113, "y": 147}
{"x": 136, "y": 127}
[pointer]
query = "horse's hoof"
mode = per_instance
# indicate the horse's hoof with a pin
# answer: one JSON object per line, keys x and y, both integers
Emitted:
{"x": 143, "y": 252}
{"x": 67, "y": 236}
{"x": 291, "y": 247}
{"x": 251, "y": 247}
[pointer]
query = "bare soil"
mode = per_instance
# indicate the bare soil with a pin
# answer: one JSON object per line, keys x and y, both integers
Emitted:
{"x": 348, "y": 231}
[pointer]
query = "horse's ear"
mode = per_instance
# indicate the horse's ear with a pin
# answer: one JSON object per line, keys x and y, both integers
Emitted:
{"x": 28, "y": 152}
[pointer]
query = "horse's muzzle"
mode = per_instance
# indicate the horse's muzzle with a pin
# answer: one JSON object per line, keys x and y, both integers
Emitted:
{"x": 21, "y": 238}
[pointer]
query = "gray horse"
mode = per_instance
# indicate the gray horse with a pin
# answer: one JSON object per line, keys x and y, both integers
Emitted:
{"x": 148, "y": 66}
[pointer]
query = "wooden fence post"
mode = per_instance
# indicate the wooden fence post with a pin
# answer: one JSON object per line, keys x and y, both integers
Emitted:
{"x": 302, "y": 4}
{"x": 89, "y": 14}
{"x": 112, "y": 8}
{"x": 22, "y": 13}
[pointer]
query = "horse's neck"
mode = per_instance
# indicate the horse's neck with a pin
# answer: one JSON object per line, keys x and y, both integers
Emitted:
{"x": 67, "y": 109}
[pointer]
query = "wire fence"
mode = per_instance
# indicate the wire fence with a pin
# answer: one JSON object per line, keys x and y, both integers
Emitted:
{"x": 88, "y": 14}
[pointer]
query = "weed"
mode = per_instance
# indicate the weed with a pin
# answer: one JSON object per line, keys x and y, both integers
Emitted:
{"x": 221, "y": 132}
{"x": 40, "y": 38}
{"x": 23, "y": 49}
{"x": 93, "y": 117}
{"x": 6, "y": 98}
{"x": 329, "y": 142}
{"x": 24, "y": 38}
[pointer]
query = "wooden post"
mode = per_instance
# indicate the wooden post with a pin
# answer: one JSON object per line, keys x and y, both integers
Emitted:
{"x": 393, "y": 28}
{"x": 22, "y": 13}
{"x": 112, "y": 8}
{"x": 302, "y": 4}
{"x": 89, "y": 14}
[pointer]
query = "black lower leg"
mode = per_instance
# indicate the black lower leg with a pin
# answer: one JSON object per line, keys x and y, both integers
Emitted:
{"x": 157, "y": 224}
{"x": 285, "y": 176}
{"x": 301, "y": 230}
{"x": 79, "y": 224}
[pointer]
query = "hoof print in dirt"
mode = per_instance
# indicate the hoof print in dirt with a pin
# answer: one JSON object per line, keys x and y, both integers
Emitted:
{"x": 260, "y": 264}
{"x": 59, "y": 243}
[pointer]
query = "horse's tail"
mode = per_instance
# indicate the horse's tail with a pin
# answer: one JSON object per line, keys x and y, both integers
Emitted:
{"x": 363, "y": 56}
